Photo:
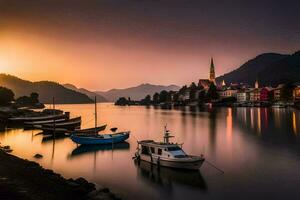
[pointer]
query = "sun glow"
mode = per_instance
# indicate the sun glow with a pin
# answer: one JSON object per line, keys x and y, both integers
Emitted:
{"x": 4, "y": 66}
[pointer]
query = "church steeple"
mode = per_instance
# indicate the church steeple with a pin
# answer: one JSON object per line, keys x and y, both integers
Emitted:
{"x": 256, "y": 84}
{"x": 223, "y": 83}
{"x": 212, "y": 71}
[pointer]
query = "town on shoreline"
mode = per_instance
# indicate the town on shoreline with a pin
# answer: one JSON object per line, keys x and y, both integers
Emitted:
{"x": 208, "y": 92}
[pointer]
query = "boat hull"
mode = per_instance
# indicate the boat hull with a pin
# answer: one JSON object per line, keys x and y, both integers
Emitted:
{"x": 40, "y": 118}
{"x": 194, "y": 163}
{"x": 70, "y": 124}
{"x": 90, "y": 140}
{"x": 90, "y": 130}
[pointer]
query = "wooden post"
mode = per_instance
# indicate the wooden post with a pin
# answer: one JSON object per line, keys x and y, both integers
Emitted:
{"x": 95, "y": 115}
{"x": 53, "y": 101}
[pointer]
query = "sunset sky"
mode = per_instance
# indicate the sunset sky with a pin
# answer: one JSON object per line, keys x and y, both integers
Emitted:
{"x": 107, "y": 44}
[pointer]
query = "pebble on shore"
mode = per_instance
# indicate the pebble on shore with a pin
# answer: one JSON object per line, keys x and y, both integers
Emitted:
{"x": 38, "y": 155}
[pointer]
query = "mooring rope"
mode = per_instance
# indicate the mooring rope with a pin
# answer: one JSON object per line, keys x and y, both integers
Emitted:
{"x": 214, "y": 166}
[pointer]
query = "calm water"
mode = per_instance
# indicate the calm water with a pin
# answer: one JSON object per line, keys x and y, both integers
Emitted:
{"x": 257, "y": 148}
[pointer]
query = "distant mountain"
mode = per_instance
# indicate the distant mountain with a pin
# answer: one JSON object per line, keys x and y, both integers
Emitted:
{"x": 248, "y": 72}
{"x": 90, "y": 94}
{"x": 284, "y": 70}
{"x": 268, "y": 69}
{"x": 46, "y": 89}
{"x": 136, "y": 93}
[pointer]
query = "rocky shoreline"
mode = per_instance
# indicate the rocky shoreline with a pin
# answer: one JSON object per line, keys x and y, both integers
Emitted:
{"x": 23, "y": 179}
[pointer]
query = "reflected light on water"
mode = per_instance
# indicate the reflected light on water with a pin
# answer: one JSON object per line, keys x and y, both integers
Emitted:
{"x": 228, "y": 137}
{"x": 252, "y": 118}
{"x": 258, "y": 122}
{"x": 266, "y": 117}
{"x": 277, "y": 117}
{"x": 229, "y": 125}
{"x": 295, "y": 124}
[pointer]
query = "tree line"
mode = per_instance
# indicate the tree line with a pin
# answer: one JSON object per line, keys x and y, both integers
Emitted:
{"x": 194, "y": 93}
{"x": 7, "y": 97}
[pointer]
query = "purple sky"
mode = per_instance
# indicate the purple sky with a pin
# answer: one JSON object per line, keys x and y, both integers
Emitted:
{"x": 115, "y": 44}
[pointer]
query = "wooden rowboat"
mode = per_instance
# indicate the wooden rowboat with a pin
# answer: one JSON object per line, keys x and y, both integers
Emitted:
{"x": 90, "y": 130}
{"x": 70, "y": 124}
{"x": 95, "y": 138}
{"x": 40, "y": 118}
{"x": 100, "y": 139}
{"x": 44, "y": 122}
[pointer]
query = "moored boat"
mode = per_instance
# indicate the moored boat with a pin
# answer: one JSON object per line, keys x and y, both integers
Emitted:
{"x": 167, "y": 154}
{"x": 70, "y": 124}
{"x": 90, "y": 130}
{"x": 32, "y": 123}
{"x": 38, "y": 118}
{"x": 85, "y": 139}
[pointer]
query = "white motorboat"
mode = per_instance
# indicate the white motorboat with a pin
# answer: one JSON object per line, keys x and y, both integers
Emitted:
{"x": 167, "y": 154}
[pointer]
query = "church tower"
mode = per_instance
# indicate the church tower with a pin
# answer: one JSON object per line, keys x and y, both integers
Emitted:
{"x": 256, "y": 84}
{"x": 212, "y": 76}
{"x": 223, "y": 83}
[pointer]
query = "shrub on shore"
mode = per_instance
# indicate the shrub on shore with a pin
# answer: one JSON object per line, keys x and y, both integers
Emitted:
{"x": 6, "y": 96}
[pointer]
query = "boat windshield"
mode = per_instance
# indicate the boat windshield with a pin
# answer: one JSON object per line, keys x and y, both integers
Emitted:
{"x": 176, "y": 148}
{"x": 176, "y": 151}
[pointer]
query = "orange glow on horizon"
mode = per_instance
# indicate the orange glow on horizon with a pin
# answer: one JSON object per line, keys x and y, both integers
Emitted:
{"x": 95, "y": 65}
{"x": 101, "y": 63}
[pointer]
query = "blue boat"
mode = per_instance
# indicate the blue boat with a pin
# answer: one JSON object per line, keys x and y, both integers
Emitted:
{"x": 86, "y": 138}
{"x": 100, "y": 139}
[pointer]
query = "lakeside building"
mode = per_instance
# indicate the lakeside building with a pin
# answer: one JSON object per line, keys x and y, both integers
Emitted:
{"x": 234, "y": 92}
{"x": 254, "y": 95}
{"x": 228, "y": 92}
{"x": 205, "y": 83}
{"x": 296, "y": 93}
{"x": 277, "y": 92}
{"x": 266, "y": 94}
{"x": 187, "y": 95}
{"x": 242, "y": 96}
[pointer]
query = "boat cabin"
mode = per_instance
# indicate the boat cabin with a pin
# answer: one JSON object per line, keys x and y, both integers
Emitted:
{"x": 151, "y": 148}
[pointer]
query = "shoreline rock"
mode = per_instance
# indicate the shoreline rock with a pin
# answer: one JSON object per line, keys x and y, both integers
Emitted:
{"x": 23, "y": 179}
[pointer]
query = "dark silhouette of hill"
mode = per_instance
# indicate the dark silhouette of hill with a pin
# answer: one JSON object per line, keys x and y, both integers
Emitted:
{"x": 284, "y": 70}
{"x": 136, "y": 93}
{"x": 46, "y": 90}
{"x": 263, "y": 68}
{"x": 90, "y": 94}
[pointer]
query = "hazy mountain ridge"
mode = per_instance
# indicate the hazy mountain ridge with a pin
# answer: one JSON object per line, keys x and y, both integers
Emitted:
{"x": 137, "y": 92}
{"x": 268, "y": 69}
{"x": 90, "y": 94}
{"x": 46, "y": 89}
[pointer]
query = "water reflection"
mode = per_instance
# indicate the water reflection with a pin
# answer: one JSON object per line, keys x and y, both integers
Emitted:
{"x": 167, "y": 178}
{"x": 52, "y": 138}
{"x": 258, "y": 122}
{"x": 269, "y": 123}
{"x": 229, "y": 125}
{"x": 85, "y": 149}
{"x": 254, "y": 146}
{"x": 212, "y": 130}
{"x": 295, "y": 124}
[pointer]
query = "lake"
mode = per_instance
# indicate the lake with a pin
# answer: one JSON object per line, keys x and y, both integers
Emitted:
{"x": 257, "y": 148}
